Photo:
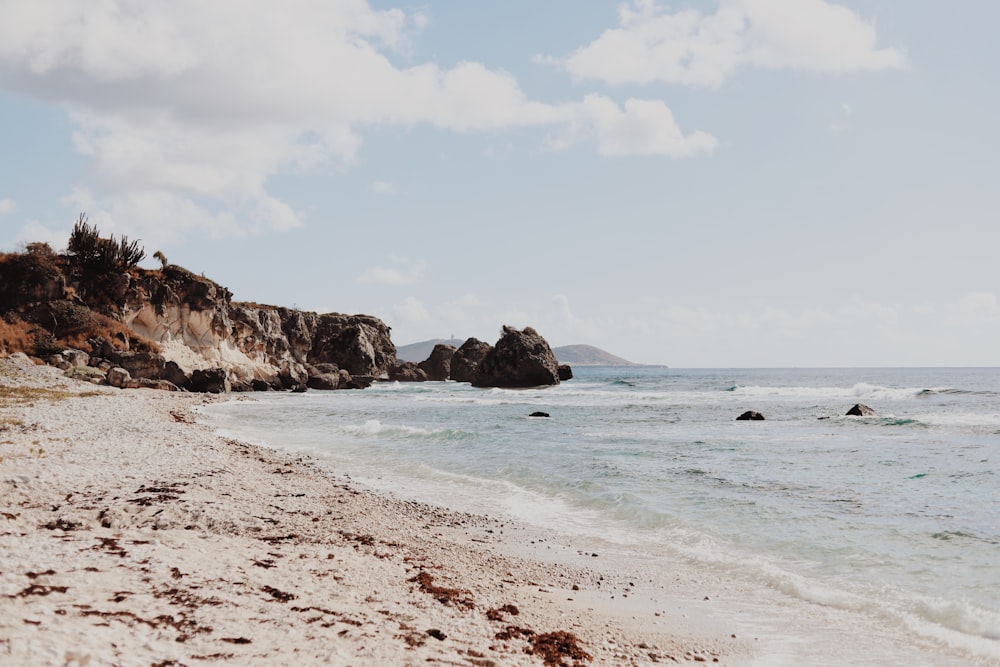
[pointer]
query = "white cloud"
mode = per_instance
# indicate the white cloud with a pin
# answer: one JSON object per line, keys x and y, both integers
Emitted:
{"x": 35, "y": 232}
{"x": 6, "y": 206}
{"x": 858, "y": 308}
{"x": 688, "y": 47}
{"x": 175, "y": 102}
{"x": 411, "y": 312}
{"x": 404, "y": 272}
{"x": 642, "y": 127}
{"x": 383, "y": 188}
{"x": 976, "y": 307}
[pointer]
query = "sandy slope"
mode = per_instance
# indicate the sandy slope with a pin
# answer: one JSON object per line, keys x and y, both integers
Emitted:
{"x": 130, "y": 535}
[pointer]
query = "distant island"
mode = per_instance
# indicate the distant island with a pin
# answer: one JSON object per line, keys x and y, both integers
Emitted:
{"x": 574, "y": 355}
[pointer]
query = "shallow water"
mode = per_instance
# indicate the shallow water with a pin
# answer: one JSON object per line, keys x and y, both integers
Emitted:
{"x": 894, "y": 517}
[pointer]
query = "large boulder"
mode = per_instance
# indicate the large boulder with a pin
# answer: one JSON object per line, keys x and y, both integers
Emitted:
{"x": 519, "y": 359}
{"x": 465, "y": 362}
{"x": 750, "y": 415}
{"x": 565, "y": 372}
{"x": 324, "y": 381}
{"x": 437, "y": 366}
{"x": 407, "y": 372}
{"x": 210, "y": 381}
{"x": 359, "y": 344}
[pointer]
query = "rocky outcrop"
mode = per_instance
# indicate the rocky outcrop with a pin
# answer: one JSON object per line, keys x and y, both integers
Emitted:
{"x": 174, "y": 326}
{"x": 750, "y": 415}
{"x": 407, "y": 372}
{"x": 437, "y": 366}
{"x": 465, "y": 362}
{"x": 860, "y": 410}
{"x": 565, "y": 372}
{"x": 521, "y": 358}
{"x": 258, "y": 347}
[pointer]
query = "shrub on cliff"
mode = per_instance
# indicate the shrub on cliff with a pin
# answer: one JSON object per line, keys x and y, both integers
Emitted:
{"x": 99, "y": 264}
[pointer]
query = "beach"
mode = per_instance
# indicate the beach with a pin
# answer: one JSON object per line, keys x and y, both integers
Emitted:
{"x": 132, "y": 535}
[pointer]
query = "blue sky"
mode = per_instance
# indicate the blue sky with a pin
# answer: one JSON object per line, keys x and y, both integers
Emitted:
{"x": 732, "y": 183}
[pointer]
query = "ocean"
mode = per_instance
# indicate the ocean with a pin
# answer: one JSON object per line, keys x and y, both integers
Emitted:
{"x": 893, "y": 520}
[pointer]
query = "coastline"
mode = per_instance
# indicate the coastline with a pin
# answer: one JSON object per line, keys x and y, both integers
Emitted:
{"x": 133, "y": 535}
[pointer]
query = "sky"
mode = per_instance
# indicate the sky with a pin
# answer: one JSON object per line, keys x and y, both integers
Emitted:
{"x": 728, "y": 183}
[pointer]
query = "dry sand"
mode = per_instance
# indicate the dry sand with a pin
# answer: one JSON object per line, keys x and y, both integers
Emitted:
{"x": 131, "y": 535}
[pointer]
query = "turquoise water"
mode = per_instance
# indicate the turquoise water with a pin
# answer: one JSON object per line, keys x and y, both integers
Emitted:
{"x": 896, "y": 516}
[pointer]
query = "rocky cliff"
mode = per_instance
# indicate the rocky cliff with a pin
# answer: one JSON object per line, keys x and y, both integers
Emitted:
{"x": 173, "y": 325}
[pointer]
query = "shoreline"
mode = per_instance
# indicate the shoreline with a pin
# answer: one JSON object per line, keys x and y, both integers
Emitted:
{"x": 133, "y": 535}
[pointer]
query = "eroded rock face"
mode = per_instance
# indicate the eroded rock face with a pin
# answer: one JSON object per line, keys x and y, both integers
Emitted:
{"x": 359, "y": 344}
{"x": 259, "y": 347}
{"x": 173, "y": 326}
{"x": 519, "y": 359}
{"x": 465, "y": 362}
{"x": 437, "y": 366}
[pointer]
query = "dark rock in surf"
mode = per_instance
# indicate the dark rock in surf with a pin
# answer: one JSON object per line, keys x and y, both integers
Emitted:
{"x": 467, "y": 358}
{"x": 437, "y": 366}
{"x": 750, "y": 415}
{"x": 565, "y": 372}
{"x": 539, "y": 414}
{"x": 861, "y": 410}
{"x": 324, "y": 381}
{"x": 407, "y": 372}
{"x": 521, "y": 358}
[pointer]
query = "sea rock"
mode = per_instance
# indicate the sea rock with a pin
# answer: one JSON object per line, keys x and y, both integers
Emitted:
{"x": 467, "y": 358}
{"x": 360, "y": 381}
{"x": 407, "y": 372}
{"x": 565, "y": 372}
{"x": 539, "y": 414}
{"x": 360, "y": 344}
{"x": 750, "y": 415}
{"x": 861, "y": 410}
{"x": 437, "y": 366}
{"x": 324, "y": 381}
{"x": 519, "y": 359}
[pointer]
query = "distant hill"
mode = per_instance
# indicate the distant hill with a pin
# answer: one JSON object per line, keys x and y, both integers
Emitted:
{"x": 574, "y": 355}
{"x": 588, "y": 355}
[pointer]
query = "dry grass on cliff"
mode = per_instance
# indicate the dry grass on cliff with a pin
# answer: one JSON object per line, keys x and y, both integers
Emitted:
{"x": 15, "y": 337}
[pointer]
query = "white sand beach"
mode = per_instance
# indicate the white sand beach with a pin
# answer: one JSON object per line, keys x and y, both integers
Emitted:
{"x": 131, "y": 535}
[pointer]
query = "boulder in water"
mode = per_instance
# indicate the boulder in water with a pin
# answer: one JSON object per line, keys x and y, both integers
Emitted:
{"x": 750, "y": 415}
{"x": 861, "y": 410}
{"x": 521, "y": 358}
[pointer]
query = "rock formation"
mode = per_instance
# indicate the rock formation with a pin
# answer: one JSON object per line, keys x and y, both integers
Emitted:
{"x": 519, "y": 359}
{"x": 172, "y": 326}
{"x": 465, "y": 362}
{"x": 407, "y": 372}
{"x": 438, "y": 365}
{"x": 860, "y": 410}
{"x": 750, "y": 415}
